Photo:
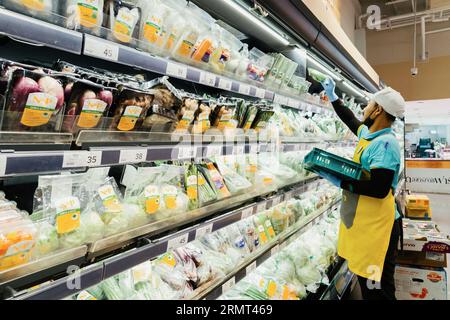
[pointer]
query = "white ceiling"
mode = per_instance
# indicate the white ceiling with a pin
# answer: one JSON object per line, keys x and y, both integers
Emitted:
{"x": 428, "y": 112}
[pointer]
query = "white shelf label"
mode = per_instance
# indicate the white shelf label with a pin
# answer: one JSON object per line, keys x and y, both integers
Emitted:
{"x": 133, "y": 155}
{"x": 228, "y": 285}
{"x": 260, "y": 93}
{"x": 186, "y": 152}
{"x": 261, "y": 207}
{"x": 213, "y": 151}
{"x": 275, "y": 250}
{"x": 98, "y": 48}
{"x": 74, "y": 159}
{"x": 94, "y": 158}
{"x": 277, "y": 99}
{"x": 247, "y": 213}
{"x": 3, "y": 160}
{"x": 238, "y": 150}
{"x": 176, "y": 70}
{"x": 250, "y": 268}
{"x": 202, "y": 231}
{"x": 177, "y": 242}
{"x": 244, "y": 89}
{"x": 208, "y": 79}
{"x": 225, "y": 84}
{"x": 253, "y": 148}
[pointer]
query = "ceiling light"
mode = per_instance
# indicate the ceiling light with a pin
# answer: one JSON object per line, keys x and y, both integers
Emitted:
{"x": 247, "y": 15}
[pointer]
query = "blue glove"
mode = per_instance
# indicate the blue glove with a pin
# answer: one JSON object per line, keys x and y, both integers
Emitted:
{"x": 331, "y": 178}
{"x": 329, "y": 86}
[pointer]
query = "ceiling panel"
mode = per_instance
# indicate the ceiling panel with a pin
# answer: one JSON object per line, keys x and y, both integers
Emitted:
{"x": 397, "y": 8}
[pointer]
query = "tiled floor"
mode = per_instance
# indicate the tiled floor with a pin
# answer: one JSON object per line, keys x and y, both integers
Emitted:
{"x": 440, "y": 207}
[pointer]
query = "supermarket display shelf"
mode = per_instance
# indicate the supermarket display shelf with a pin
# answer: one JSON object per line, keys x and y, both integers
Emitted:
{"x": 121, "y": 262}
{"x": 39, "y": 269}
{"x": 216, "y": 289}
{"x": 41, "y": 33}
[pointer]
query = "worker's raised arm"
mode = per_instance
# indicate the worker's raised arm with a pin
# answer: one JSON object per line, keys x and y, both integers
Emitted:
{"x": 344, "y": 113}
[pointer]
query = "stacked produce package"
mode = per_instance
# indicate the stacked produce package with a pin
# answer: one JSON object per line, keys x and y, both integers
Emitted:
{"x": 295, "y": 271}
{"x": 185, "y": 272}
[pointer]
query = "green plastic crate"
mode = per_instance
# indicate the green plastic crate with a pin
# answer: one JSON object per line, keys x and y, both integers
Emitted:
{"x": 320, "y": 160}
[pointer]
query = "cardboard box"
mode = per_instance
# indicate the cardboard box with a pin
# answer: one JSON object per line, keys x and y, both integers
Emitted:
{"x": 417, "y": 201}
{"x": 420, "y": 283}
{"x": 422, "y": 259}
{"x": 424, "y": 236}
{"x": 422, "y": 214}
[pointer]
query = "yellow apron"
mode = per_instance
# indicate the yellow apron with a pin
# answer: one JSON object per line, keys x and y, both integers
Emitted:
{"x": 365, "y": 230}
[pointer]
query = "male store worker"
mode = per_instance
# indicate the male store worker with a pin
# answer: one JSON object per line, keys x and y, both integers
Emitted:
{"x": 370, "y": 223}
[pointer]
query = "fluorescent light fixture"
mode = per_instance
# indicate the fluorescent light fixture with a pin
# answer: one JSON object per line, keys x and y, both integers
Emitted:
{"x": 351, "y": 88}
{"x": 247, "y": 15}
{"x": 324, "y": 69}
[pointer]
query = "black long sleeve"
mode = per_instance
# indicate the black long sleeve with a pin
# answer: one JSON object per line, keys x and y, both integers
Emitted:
{"x": 347, "y": 116}
{"x": 379, "y": 185}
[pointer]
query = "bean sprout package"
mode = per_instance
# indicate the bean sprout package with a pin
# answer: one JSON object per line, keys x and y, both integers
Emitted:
{"x": 220, "y": 242}
{"x": 84, "y": 15}
{"x": 159, "y": 191}
{"x": 34, "y": 102}
{"x": 123, "y": 20}
{"x": 41, "y": 9}
{"x": 264, "y": 228}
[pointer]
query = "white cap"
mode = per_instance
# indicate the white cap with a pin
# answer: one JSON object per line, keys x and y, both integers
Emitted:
{"x": 391, "y": 101}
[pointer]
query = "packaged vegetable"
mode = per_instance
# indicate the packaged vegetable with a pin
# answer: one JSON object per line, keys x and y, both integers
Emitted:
{"x": 152, "y": 33}
{"x": 202, "y": 116}
{"x": 317, "y": 75}
{"x": 41, "y": 9}
{"x": 206, "y": 192}
{"x": 35, "y": 102}
{"x": 84, "y": 15}
{"x": 174, "y": 25}
{"x": 123, "y": 19}
{"x": 191, "y": 184}
{"x": 215, "y": 180}
{"x": 17, "y": 242}
{"x": 248, "y": 230}
{"x": 87, "y": 106}
{"x": 225, "y": 116}
{"x": 47, "y": 238}
{"x": 187, "y": 114}
{"x": 233, "y": 180}
{"x": 130, "y": 109}
{"x": 262, "y": 117}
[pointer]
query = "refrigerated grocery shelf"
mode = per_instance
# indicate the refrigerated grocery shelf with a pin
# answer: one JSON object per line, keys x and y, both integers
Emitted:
{"x": 216, "y": 289}
{"x": 40, "y": 33}
{"x": 37, "y": 270}
{"x": 153, "y": 248}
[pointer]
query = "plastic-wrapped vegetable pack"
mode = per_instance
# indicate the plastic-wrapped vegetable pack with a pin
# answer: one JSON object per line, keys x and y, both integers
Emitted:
{"x": 41, "y": 9}
{"x": 34, "y": 101}
{"x": 84, "y": 15}
{"x": 122, "y": 20}
{"x": 235, "y": 182}
{"x": 158, "y": 191}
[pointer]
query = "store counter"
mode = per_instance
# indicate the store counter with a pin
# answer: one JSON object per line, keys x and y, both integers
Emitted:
{"x": 428, "y": 175}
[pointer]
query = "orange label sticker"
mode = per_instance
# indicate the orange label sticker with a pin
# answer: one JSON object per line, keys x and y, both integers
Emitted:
{"x": 88, "y": 12}
{"x": 37, "y": 5}
{"x": 129, "y": 118}
{"x": 38, "y": 109}
{"x": 91, "y": 113}
{"x": 67, "y": 215}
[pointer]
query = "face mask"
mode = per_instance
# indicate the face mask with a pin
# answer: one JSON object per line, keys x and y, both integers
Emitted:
{"x": 369, "y": 122}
